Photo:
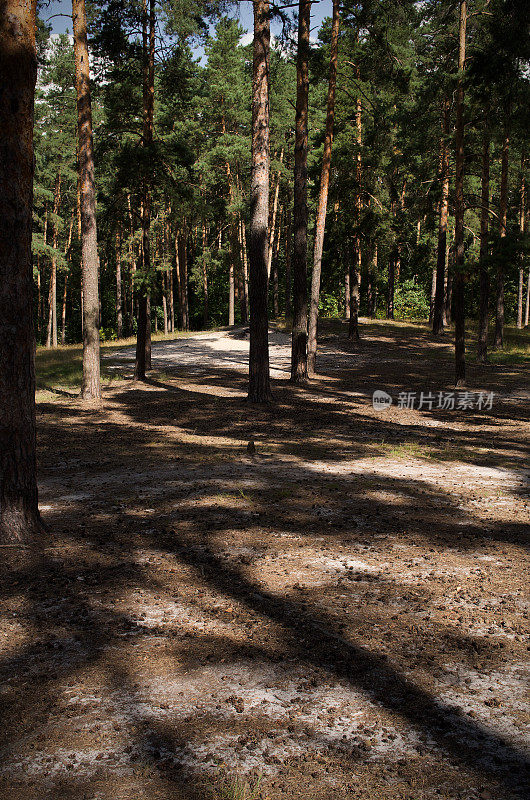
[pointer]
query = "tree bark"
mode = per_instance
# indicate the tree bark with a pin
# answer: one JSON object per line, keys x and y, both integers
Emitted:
{"x": 119, "y": 309}
{"x": 91, "y": 384}
{"x": 259, "y": 390}
{"x": 19, "y": 513}
{"x": 273, "y": 223}
{"x": 527, "y": 307}
{"x": 355, "y": 277}
{"x": 484, "y": 280}
{"x": 522, "y": 221}
{"x": 143, "y": 334}
{"x": 299, "y": 264}
{"x": 244, "y": 262}
{"x": 503, "y": 210}
{"x": 458, "y": 283}
{"x": 323, "y": 194}
{"x": 204, "y": 279}
{"x": 371, "y": 290}
{"x": 437, "y": 325}
{"x": 391, "y": 286}
{"x": 288, "y": 273}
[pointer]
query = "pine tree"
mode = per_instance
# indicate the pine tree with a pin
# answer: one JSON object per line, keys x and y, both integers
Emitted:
{"x": 91, "y": 386}
{"x": 19, "y": 513}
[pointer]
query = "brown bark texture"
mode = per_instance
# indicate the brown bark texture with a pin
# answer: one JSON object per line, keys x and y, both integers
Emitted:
{"x": 259, "y": 390}
{"x": 458, "y": 282}
{"x": 503, "y": 210}
{"x": 323, "y": 193}
{"x": 19, "y": 514}
{"x": 484, "y": 280}
{"x": 91, "y": 384}
{"x": 439, "y": 294}
{"x": 299, "y": 259}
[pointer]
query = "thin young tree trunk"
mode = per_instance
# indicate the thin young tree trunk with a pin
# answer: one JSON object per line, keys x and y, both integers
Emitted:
{"x": 437, "y": 325}
{"x": 183, "y": 262}
{"x": 19, "y": 513}
{"x": 355, "y": 278}
{"x": 63, "y": 315}
{"x": 484, "y": 281}
{"x": 179, "y": 283}
{"x": 391, "y": 286}
{"x": 522, "y": 220}
{"x": 458, "y": 287}
{"x": 323, "y": 194}
{"x": 347, "y": 293}
{"x": 119, "y": 304}
{"x": 273, "y": 223}
{"x": 288, "y": 279}
{"x": 164, "y": 303}
{"x": 91, "y": 385}
{"x": 503, "y": 209}
{"x": 355, "y": 290}
{"x": 527, "y": 307}
{"x": 231, "y": 289}
{"x": 299, "y": 266}
{"x": 244, "y": 262}
{"x": 275, "y": 276}
{"x": 259, "y": 390}
{"x": 204, "y": 279}
{"x": 50, "y": 314}
{"x": 372, "y": 283}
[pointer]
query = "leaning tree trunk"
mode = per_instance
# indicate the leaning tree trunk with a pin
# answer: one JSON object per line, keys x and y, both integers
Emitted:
{"x": 19, "y": 513}
{"x": 91, "y": 385}
{"x": 299, "y": 260}
{"x": 503, "y": 211}
{"x": 439, "y": 295}
{"x": 259, "y": 390}
{"x": 458, "y": 283}
{"x": 323, "y": 194}
{"x": 484, "y": 280}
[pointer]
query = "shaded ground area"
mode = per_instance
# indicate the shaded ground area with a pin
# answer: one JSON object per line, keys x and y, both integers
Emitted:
{"x": 343, "y": 613}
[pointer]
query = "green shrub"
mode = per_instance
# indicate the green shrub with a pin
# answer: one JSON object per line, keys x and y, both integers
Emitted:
{"x": 411, "y": 301}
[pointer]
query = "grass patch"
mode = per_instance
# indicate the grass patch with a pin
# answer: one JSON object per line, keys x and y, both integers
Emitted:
{"x": 62, "y": 367}
{"x": 238, "y": 789}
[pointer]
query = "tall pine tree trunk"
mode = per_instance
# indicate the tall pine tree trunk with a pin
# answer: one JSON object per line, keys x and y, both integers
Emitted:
{"x": 437, "y": 325}
{"x": 484, "y": 280}
{"x": 143, "y": 334}
{"x": 91, "y": 385}
{"x": 259, "y": 390}
{"x": 19, "y": 513}
{"x": 323, "y": 194}
{"x": 503, "y": 211}
{"x": 299, "y": 261}
{"x": 458, "y": 283}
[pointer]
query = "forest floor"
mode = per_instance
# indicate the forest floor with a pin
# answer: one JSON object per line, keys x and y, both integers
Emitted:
{"x": 342, "y": 614}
